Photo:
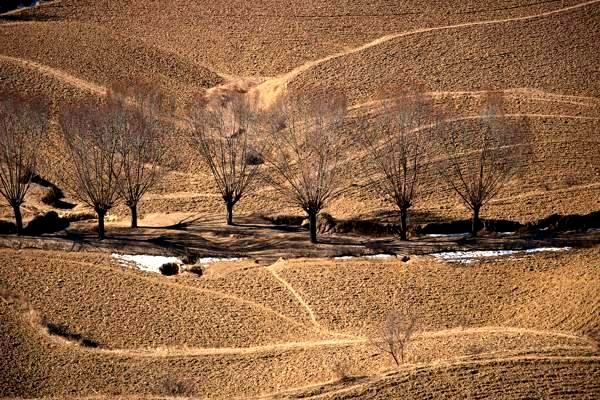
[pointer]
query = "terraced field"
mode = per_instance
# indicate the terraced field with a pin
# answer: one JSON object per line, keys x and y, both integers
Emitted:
{"x": 290, "y": 320}
{"x": 513, "y": 328}
{"x": 542, "y": 54}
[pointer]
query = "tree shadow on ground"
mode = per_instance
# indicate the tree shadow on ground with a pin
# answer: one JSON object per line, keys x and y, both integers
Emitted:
{"x": 29, "y": 17}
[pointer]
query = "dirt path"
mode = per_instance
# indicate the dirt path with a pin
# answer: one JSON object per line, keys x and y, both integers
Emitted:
{"x": 268, "y": 91}
{"x": 322, "y": 391}
{"x": 294, "y": 293}
{"x": 164, "y": 282}
{"x": 531, "y": 94}
{"x": 58, "y": 74}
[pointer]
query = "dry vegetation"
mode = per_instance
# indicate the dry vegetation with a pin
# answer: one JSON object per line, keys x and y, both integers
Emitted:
{"x": 250, "y": 331}
{"x": 302, "y": 90}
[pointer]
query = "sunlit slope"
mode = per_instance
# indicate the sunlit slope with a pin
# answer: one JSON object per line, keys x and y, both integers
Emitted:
{"x": 91, "y": 58}
{"x": 268, "y": 37}
{"x": 554, "y": 52}
{"x": 248, "y": 330}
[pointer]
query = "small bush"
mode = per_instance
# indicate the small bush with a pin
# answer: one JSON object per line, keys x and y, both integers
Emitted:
{"x": 446, "y": 228}
{"x": 366, "y": 227}
{"x": 561, "y": 223}
{"x": 294, "y": 220}
{"x": 64, "y": 332}
{"x": 169, "y": 269}
{"x": 254, "y": 158}
{"x": 46, "y": 223}
{"x": 7, "y": 227}
{"x": 190, "y": 258}
{"x": 340, "y": 371}
{"x": 197, "y": 270}
{"x": 174, "y": 387}
{"x": 89, "y": 343}
{"x": 53, "y": 197}
{"x": 501, "y": 225}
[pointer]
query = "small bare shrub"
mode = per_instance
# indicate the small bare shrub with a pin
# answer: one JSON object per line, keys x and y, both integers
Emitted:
{"x": 190, "y": 258}
{"x": 253, "y": 157}
{"x": 46, "y": 223}
{"x": 395, "y": 333}
{"x": 169, "y": 269}
{"x": 64, "y": 332}
{"x": 171, "y": 386}
{"x": 571, "y": 180}
{"x": 341, "y": 372}
{"x": 53, "y": 196}
{"x": 295, "y": 220}
{"x": 474, "y": 350}
{"x": 197, "y": 270}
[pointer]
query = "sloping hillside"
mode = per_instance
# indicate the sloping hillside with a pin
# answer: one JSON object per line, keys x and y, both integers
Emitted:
{"x": 283, "y": 331}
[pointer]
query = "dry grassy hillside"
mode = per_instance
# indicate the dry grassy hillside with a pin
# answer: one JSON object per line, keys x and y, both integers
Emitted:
{"x": 247, "y": 330}
{"x": 266, "y": 38}
{"x": 293, "y": 319}
{"x": 552, "y": 52}
{"x": 542, "y": 54}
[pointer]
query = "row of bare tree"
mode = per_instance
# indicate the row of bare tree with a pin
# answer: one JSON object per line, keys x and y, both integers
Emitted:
{"x": 119, "y": 149}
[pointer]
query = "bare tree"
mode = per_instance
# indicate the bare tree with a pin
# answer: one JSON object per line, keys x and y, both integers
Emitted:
{"x": 306, "y": 149}
{"x": 23, "y": 127}
{"x": 394, "y": 335}
{"x": 396, "y": 150}
{"x": 142, "y": 144}
{"x": 224, "y": 136}
{"x": 482, "y": 154}
{"x": 92, "y": 140}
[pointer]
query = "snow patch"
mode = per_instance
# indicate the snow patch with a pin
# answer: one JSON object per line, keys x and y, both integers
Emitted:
{"x": 146, "y": 263}
{"x": 447, "y": 235}
{"x": 467, "y": 257}
{"x": 372, "y": 256}
{"x": 149, "y": 263}
{"x": 212, "y": 260}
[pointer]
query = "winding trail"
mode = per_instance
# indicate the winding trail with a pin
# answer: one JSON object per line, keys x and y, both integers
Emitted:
{"x": 268, "y": 91}
{"x": 319, "y": 392}
{"x": 311, "y": 313}
{"x": 179, "y": 352}
{"x": 250, "y": 303}
{"x": 79, "y": 83}
{"x": 528, "y": 93}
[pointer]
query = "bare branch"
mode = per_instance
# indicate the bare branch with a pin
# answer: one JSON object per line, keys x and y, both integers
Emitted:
{"x": 483, "y": 155}
{"x": 394, "y": 335}
{"x": 23, "y": 128}
{"x": 143, "y": 147}
{"x": 305, "y": 150}
{"x": 225, "y": 137}
{"x": 395, "y": 143}
{"x": 92, "y": 136}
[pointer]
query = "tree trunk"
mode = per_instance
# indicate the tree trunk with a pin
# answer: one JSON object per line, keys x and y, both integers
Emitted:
{"x": 312, "y": 226}
{"x": 134, "y": 215}
{"x": 403, "y": 225}
{"x": 18, "y": 219}
{"x": 101, "y": 214}
{"x": 395, "y": 357}
{"x": 475, "y": 221}
{"x": 229, "y": 213}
